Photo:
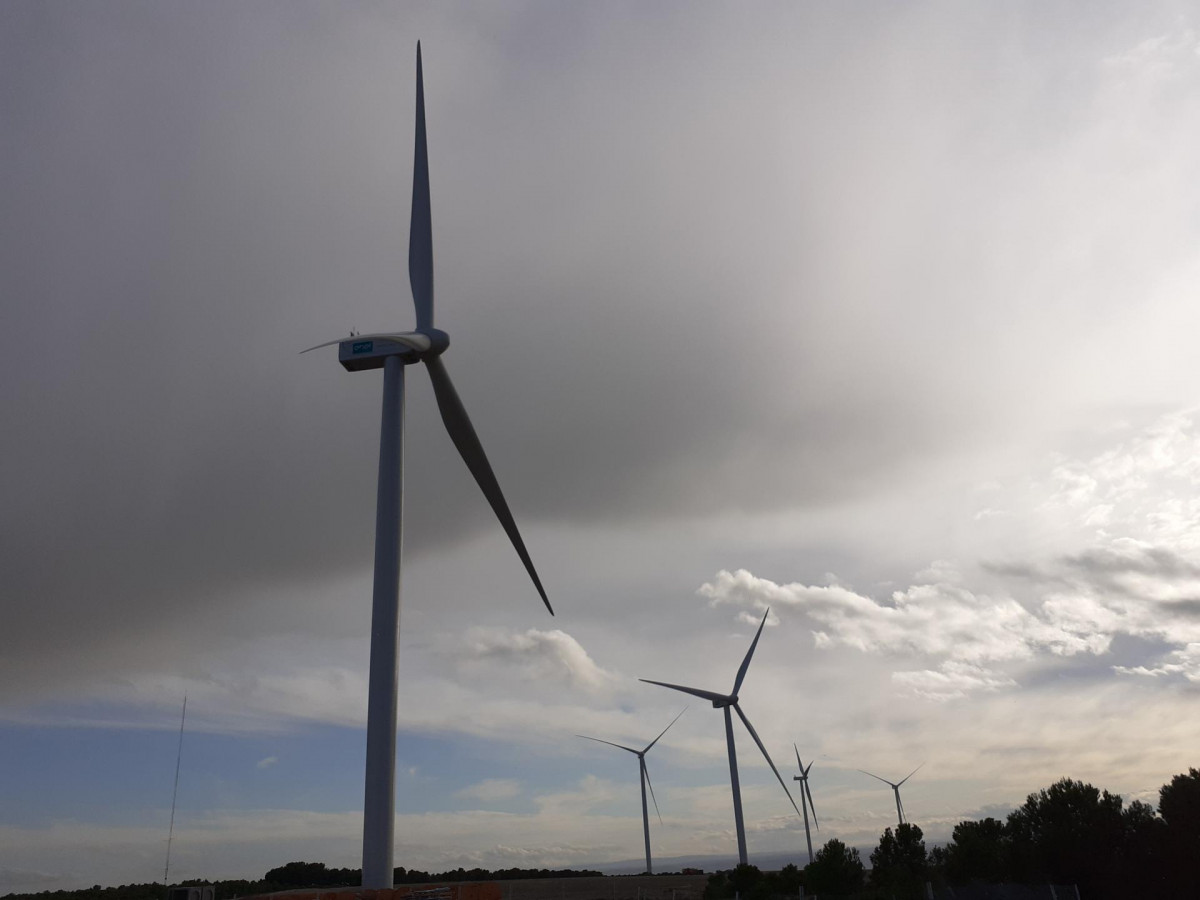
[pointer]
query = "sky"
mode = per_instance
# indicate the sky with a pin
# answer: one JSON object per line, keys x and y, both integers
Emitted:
{"x": 881, "y": 316}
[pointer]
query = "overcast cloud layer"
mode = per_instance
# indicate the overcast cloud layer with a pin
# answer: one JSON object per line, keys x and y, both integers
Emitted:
{"x": 880, "y": 316}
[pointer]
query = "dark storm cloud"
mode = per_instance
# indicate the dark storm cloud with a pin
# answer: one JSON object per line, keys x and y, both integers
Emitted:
{"x": 681, "y": 277}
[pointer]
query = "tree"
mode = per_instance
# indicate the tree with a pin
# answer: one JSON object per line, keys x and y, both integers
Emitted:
{"x": 836, "y": 869}
{"x": 1068, "y": 833}
{"x": 743, "y": 881}
{"x": 978, "y": 851}
{"x": 787, "y": 881}
{"x": 1179, "y": 805}
{"x": 900, "y": 864}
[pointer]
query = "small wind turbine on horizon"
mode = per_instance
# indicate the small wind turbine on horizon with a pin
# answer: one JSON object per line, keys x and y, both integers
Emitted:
{"x": 806, "y": 799}
{"x": 392, "y": 351}
{"x": 895, "y": 786}
{"x": 727, "y": 702}
{"x": 645, "y": 779}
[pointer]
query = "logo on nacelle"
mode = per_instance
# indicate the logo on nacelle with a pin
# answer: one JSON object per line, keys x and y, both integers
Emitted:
{"x": 363, "y": 346}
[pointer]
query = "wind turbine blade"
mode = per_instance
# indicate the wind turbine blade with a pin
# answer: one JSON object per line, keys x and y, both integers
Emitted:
{"x": 411, "y": 339}
{"x": 911, "y": 774}
{"x": 798, "y": 763}
{"x": 749, "y": 653}
{"x": 695, "y": 692}
{"x": 420, "y": 229}
{"x": 884, "y": 780}
{"x": 766, "y": 755}
{"x": 463, "y": 435}
{"x": 646, "y": 775}
{"x": 610, "y": 743}
{"x": 811, "y": 805}
{"x": 665, "y": 730}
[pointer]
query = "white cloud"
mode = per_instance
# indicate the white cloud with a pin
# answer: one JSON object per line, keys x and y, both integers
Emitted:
{"x": 267, "y": 762}
{"x": 939, "y": 620}
{"x": 539, "y": 655}
{"x": 490, "y": 790}
{"x": 1185, "y": 662}
{"x": 951, "y": 681}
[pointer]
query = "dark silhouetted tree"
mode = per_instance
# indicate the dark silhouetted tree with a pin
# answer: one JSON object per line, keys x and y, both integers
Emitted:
{"x": 978, "y": 851}
{"x": 1179, "y": 805}
{"x": 835, "y": 869}
{"x": 1068, "y": 833}
{"x": 900, "y": 865}
{"x": 787, "y": 881}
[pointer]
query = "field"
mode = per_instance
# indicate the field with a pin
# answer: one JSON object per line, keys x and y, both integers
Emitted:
{"x": 607, "y": 887}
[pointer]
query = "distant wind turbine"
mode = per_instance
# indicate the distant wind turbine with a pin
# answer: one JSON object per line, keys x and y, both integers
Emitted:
{"x": 806, "y": 799}
{"x": 895, "y": 785}
{"x": 645, "y": 779}
{"x": 727, "y": 702}
{"x": 392, "y": 351}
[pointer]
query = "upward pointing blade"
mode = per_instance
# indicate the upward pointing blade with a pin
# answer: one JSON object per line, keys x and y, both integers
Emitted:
{"x": 749, "y": 653}
{"x": 463, "y": 435}
{"x": 695, "y": 692}
{"x": 665, "y": 730}
{"x": 884, "y": 780}
{"x": 911, "y": 774}
{"x": 766, "y": 755}
{"x": 610, "y": 743}
{"x": 420, "y": 229}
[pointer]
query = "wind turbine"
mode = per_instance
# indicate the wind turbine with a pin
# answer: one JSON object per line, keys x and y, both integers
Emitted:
{"x": 392, "y": 351}
{"x": 645, "y": 779}
{"x": 727, "y": 702}
{"x": 896, "y": 789}
{"x": 806, "y": 799}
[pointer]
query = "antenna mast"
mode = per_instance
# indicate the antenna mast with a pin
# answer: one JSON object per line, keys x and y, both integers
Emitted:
{"x": 175, "y": 794}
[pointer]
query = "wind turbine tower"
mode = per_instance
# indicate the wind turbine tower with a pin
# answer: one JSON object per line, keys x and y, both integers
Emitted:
{"x": 645, "y": 779}
{"x": 895, "y": 786}
{"x": 727, "y": 702}
{"x": 392, "y": 351}
{"x": 806, "y": 799}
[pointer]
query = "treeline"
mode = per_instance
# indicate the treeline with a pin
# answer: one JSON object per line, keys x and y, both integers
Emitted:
{"x": 296, "y": 875}
{"x": 1068, "y": 833}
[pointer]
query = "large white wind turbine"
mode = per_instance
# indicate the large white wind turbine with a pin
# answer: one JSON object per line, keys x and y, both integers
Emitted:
{"x": 895, "y": 786}
{"x": 392, "y": 351}
{"x": 727, "y": 702}
{"x": 645, "y": 779}
{"x": 806, "y": 799}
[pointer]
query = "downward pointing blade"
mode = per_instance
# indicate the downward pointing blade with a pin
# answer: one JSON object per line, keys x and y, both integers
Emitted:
{"x": 610, "y": 743}
{"x": 911, "y": 774}
{"x": 766, "y": 755}
{"x": 811, "y": 805}
{"x": 463, "y": 435}
{"x": 420, "y": 229}
{"x": 746, "y": 662}
{"x": 646, "y": 775}
{"x": 665, "y": 730}
{"x": 695, "y": 692}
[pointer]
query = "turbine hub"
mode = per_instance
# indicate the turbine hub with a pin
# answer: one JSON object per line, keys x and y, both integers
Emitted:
{"x": 724, "y": 702}
{"x": 438, "y": 341}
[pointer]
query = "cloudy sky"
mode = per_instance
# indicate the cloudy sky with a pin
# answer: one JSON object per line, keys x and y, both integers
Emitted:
{"x": 882, "y": 316}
